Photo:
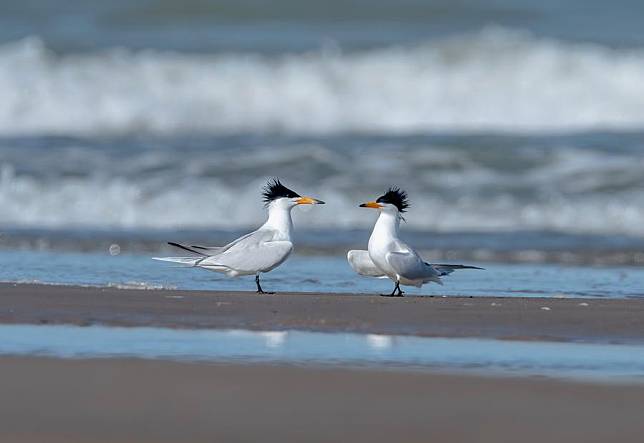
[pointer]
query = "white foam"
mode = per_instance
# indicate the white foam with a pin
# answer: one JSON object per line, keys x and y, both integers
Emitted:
{"x": 518, "y": 185}
{"x": 495, "y": 80}
{"x": 140, "y": 285}
{"x": 117, "y": 203}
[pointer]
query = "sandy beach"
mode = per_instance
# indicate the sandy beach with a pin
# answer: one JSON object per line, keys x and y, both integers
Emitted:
{"x": 500, "y": 140}
{"x": 592, "y": 320}
{"x": 122, "y": 400}
{"x": 109, "y": 401}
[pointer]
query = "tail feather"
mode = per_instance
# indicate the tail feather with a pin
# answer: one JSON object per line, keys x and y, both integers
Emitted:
{"x": 188, "y": 261}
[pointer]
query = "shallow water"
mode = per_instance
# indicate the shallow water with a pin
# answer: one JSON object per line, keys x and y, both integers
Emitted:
{"x": 600, "y": 362}
{"x": 517, "y": 127}
{"x": 318, "y": 274}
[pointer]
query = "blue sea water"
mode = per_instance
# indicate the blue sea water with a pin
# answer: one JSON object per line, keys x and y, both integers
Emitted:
{"x": 517, "y": 128}
{"x": 496, "y": 116}
{"x": 319, "y": 274}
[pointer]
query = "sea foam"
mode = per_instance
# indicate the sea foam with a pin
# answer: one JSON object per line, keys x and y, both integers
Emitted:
{"x": 517, "y": 186}
{"x": 495, "y": 80}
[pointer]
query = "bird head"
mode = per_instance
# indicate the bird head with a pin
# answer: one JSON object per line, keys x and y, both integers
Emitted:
{"x": 393, "y": 201}
{"x": 276, "y": 194}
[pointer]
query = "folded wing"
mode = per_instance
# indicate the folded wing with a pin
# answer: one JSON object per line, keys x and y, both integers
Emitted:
{"x": 212, "y": 250}
{"x": 251, "y": 253}
{"x": 410, "y": 266}
{"x": 362, "y": 264}
{"x": 208, "y": 250}
{"x": 254, "y": 252}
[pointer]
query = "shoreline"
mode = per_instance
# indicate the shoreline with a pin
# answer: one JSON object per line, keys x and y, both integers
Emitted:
{"x": 546, "y": 319}
{"x": 564, "y": 249}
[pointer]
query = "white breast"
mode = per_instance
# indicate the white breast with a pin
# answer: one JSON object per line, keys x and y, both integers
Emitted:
{"x": 380, "y": 244}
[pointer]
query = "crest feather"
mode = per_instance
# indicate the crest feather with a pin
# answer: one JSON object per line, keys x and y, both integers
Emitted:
{"x": 274, "y": 189}
{"x": 396, "y": 197}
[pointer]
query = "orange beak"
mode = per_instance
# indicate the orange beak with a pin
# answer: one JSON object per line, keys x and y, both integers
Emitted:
{"x": 309, "y": 201}
{"x": 374, "y": 205}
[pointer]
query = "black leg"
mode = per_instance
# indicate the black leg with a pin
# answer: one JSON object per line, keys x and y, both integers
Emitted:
{"x": 259, "y": 288}
{"x": 397, "y": 292}
{"x": 400, "y": 291}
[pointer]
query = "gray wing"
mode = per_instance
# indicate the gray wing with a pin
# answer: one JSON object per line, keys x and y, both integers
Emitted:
{"x": 362, "y": 264}
{"x": 208, "y": 250}
{"x": 214, "y": 250}
{"x": 410, "y": 266}
{"x": 251, "y": 253}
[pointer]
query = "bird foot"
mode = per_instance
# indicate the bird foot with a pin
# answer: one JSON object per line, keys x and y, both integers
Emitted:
{"x": 264, "y": 292}
{"x": 392, "y": 295}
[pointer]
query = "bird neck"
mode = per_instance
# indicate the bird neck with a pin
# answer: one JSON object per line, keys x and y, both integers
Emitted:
{"x": 387, "y": 225}
{"x": 279, "y": 218}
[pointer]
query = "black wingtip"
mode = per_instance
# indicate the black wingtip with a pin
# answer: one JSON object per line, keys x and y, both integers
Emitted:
{"x": 185, "y": 248}
{"x": 456, "y": 266}
{"x": 471, "y": 267}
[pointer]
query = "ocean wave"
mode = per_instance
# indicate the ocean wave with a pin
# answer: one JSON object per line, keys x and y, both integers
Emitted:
{"x": 117, "y": 204}
{"x": 496, "y": 80}
{"x": 512, "y": 186}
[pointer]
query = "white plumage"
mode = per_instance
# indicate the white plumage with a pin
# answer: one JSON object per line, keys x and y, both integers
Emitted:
{"x": 363, "y": 265}
{"x": 388, "y": 256}
{"x": 257, "y": 252}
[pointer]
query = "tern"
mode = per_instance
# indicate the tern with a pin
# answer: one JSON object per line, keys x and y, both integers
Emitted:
{"x": 259, "y": 251}
{"x": 388, "y": 256}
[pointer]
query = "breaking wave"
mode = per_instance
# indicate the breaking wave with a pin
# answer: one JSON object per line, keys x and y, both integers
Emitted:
{"x": 501, "y": 185}
{"x": 496, "y": 80}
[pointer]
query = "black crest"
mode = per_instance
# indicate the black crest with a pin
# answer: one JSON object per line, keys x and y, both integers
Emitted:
{"x": 274, "y": 189}
{"x": 396, "y": 197}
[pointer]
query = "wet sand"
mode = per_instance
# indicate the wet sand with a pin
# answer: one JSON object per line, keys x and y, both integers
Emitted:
{"x": 131, "y": 400}
{"x": 507, "y": 318}
{"x": 109, "y": 401}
